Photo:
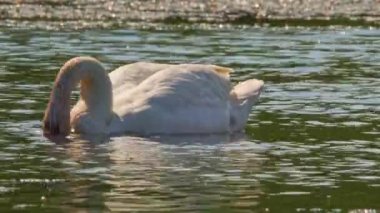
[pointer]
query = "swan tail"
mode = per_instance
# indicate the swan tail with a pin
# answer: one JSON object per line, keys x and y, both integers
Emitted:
{"x": 243, "y": 96}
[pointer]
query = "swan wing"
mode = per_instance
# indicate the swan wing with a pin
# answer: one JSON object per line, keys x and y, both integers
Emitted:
{"x": 187, "y": 98}
{"x": 128, "y": 76}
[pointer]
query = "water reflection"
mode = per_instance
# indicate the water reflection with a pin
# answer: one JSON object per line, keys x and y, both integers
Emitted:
{"x": 310, "y": 145}
{"x": 166, "y": 172}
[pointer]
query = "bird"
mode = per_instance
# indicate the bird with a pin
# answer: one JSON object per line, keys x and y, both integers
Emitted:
{"x": 148, "y": 98}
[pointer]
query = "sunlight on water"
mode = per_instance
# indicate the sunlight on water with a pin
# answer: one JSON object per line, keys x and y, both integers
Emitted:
{"x": 312, "y": 144}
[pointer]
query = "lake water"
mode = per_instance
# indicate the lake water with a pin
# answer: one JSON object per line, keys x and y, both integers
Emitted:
{"x": 311, "y": 145}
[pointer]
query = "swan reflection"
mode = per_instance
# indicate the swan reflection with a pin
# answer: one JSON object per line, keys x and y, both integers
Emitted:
{"x": 168, "y": 172}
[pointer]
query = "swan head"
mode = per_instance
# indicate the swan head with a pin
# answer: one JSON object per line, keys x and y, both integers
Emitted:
{"x": 56, "y": 121}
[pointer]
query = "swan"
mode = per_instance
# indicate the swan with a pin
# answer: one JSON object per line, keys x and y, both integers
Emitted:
{"x": 148, "y": 98}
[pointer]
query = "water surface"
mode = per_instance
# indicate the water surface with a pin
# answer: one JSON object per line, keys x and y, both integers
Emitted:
{"x": 312, "y": 144}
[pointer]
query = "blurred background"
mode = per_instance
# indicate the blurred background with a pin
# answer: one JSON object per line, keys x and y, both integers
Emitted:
{"x": 100, "y": 13}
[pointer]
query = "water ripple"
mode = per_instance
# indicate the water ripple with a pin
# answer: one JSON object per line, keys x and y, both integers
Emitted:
{"x": 312, "y": 140}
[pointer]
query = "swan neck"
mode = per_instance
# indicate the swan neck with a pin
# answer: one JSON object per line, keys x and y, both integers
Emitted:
{"x": 95, "y": 91}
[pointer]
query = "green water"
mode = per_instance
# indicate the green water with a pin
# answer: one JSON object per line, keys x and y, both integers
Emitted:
{"x": 311, "y": 145}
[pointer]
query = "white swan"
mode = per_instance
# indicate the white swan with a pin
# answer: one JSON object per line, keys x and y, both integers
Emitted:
{"x": 148, "y": 98}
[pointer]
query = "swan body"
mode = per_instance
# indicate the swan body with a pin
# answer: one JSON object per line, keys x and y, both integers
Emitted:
{"x": 148, "y": 98}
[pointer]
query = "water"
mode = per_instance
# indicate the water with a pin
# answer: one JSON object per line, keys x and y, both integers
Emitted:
{"x": 311, "y": 145}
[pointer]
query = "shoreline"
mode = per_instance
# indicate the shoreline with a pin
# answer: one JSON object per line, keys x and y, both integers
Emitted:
{"x": 251, "y": 12}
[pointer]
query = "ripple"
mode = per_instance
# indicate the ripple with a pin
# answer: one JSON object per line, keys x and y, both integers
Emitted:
{"x": 312, "y": 139}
